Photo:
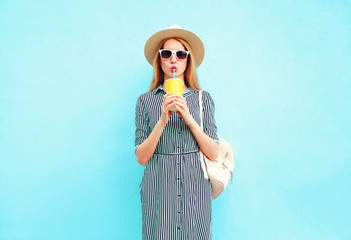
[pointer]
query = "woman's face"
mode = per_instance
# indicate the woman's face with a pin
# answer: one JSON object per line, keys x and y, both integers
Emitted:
{"x": 174, "y": 45}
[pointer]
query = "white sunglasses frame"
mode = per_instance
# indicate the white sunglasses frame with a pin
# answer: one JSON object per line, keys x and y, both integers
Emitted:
{"x": 175, "y": 53}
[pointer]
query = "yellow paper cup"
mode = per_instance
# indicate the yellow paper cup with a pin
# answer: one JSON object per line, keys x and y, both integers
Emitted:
{"x": 175, "y": 86}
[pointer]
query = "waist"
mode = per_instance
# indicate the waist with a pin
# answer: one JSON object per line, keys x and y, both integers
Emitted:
{"x": 179, "y": 153}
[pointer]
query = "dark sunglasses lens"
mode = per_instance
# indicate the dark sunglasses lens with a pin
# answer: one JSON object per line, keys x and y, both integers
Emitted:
{"x": 166, "y": 54}
{"x": 181, "y": 55}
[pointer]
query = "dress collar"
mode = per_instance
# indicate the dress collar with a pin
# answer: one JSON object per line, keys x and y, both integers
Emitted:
{"x": 187, "y": 91}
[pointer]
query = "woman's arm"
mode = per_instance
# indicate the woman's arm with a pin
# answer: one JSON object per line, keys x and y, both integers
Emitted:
{"x": 145, "y": 150}
{"x": 207, "y": 145}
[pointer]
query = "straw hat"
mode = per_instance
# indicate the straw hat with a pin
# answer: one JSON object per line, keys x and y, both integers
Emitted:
{"x": 194, "y": 41}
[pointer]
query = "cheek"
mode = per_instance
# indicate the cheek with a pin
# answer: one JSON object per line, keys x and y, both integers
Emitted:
{"x": 184, "y": 65}
{"x": 163, "y": 66}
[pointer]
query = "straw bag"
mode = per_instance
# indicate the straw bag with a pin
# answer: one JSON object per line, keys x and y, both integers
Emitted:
{"x": 219, "y": 171}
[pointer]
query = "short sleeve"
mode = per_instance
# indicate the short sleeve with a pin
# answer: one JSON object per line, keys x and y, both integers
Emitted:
{"x": 210, "y": 127}
{"x": 142, "y": 129}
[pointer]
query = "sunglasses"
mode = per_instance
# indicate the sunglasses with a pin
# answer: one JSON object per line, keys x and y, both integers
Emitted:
{"x": 166, "y": 54}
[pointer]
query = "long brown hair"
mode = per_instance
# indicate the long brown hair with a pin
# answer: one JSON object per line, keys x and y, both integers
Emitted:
{"x": 190, "y": 77}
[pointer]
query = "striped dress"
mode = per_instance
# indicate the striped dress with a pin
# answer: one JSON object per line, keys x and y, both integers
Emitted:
{"x": 175, "y": 196}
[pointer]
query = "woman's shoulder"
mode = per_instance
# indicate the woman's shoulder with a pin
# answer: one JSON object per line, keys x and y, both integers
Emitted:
{"x": 206, "y": 95}
{"x": 146, "y": 95}
{"x": 151, "y": 93}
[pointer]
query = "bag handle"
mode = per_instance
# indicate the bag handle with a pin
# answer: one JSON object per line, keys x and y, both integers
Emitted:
{"x": 202, "y": 156}
{"x": 201, "y": 109}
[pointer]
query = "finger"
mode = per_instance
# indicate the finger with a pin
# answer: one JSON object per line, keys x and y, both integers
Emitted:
{"x": 177, "y": 107}
{"x": 168, "y": 102}
{"x": 168, "y": 108}
{"x": 180, "y": 108}
{"x": 180, "y": 98}
{"x": 171, "y": 94}
{"x": 167, "y": 94}
{"x": 180, "y": 103}
{"x": 170, "y": 97}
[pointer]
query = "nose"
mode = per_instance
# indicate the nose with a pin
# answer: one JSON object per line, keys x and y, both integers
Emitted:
{"x": 173, "y": 58}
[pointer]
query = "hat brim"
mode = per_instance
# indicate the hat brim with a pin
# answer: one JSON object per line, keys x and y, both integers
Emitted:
{"x": 194, "y": 41}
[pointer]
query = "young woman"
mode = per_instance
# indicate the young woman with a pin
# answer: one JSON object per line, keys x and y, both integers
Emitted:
{"x": 175, "y": 196}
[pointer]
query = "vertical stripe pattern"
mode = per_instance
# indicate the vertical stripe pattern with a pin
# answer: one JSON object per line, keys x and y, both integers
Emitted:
{"x": 175, "y": 196}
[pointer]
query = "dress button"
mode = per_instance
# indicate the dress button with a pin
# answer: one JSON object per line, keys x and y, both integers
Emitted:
{"x": 179, "y": 132}
{"x": 178, "y": 179}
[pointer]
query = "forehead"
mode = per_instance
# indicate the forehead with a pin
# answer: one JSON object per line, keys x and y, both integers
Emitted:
{"x": 173, "y": 44}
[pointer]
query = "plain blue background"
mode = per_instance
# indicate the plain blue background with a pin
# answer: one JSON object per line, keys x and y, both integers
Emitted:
{"x": 71, "y": 72}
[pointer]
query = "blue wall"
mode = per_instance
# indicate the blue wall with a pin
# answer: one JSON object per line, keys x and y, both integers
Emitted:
{"x": 70, "y": 74}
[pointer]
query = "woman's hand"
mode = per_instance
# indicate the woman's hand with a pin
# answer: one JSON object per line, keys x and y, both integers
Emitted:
{"x": 168, "y": 102}
{"x": 182, "y": 109}
{"x": 146, "y": 150}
